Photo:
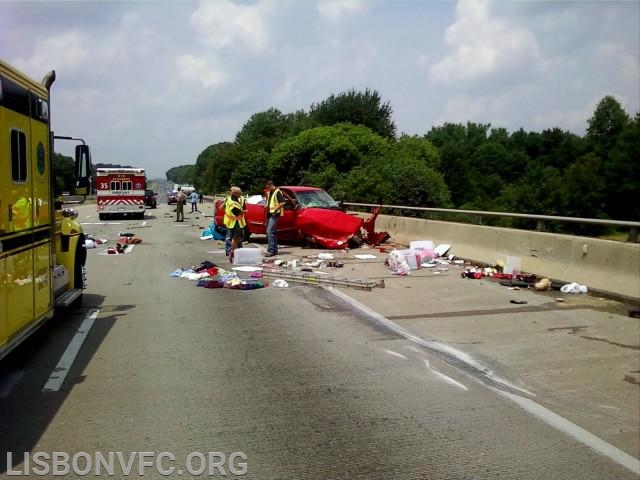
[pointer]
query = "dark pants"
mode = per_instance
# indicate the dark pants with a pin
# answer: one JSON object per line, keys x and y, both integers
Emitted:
{"x": 194, "y": 207}
{"x": 272, "y": 239}
{"x": 227, "y": 243}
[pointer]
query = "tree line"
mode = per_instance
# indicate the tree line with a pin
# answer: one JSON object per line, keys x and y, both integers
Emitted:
{"x": 348, "y": 145}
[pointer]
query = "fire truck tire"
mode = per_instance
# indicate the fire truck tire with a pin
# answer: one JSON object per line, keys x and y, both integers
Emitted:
{"x": 141, "y": 216}
{"x": 102, "y": 216}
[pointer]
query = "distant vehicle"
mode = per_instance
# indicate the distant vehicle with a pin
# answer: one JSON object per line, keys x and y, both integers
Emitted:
{"x": 186, "y": 188}
{"x": 172, "y": 197}
{"x": 121, "y": 191}
{"x": 150, "y": 199}
{"x": 312, "y": 216}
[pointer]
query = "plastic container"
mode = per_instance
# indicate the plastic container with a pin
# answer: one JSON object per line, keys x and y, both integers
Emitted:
{"x": 512, "y": 266}
{"x": 247, "y": 256}
{"x": 411, "y": 257}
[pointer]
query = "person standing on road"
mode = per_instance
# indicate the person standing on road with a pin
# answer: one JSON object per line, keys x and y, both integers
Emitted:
{"x": 234, "y": 219}
{"x": 201, "y": 198}
{"x": 194, "y": 201}
{"x": 274, "y": 209}
{"x": 181, "y": 199}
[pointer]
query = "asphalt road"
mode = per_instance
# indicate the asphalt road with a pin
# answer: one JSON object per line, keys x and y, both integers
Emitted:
{"x": 300, "y": 382}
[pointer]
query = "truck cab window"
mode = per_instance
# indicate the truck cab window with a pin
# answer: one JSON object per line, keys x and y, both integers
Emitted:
{"x": 115, "y": 185}
{"x": 18, "y": 156}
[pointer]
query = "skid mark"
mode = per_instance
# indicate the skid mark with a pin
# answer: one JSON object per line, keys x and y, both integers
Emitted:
{"x": 572, "y": 330}
{"x": 610, "y": 342}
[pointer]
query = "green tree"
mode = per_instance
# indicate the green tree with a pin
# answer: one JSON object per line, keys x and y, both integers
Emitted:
{"x": 541, "y": 190}
{"x": 419, "y": 148}
{"x": 251, "y": 173}
{"x": 217, "y": 163}
{"x": 266, "y": 129}
{"x": 341, "y": 147}
{"x": 63, "y": 168}
{"x": 182, "y": 174}
{"x": 621, "y": 171}
{"x": 608, "y": 121}
{"x": 359, "y": 108}
{"x": 585, "y": 188}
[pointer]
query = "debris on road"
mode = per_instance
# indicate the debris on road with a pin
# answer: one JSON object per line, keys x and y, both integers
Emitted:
{"x": 209, "y": 275}
{"x": 574, "y": 288}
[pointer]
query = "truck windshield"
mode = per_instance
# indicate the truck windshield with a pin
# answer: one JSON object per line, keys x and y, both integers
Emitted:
{"x": 316, "y": 198}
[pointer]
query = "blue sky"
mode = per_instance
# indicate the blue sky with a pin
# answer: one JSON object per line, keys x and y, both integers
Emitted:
{"x": 153, "y": 83}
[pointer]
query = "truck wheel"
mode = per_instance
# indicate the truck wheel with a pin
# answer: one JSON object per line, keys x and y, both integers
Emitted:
{"x": 141, "y": 216}
{"x": 102, "y": 216}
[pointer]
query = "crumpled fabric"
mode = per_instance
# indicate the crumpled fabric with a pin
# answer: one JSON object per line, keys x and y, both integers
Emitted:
{"x": 210, "y": 283}
{"x": 574, "y": 287}
{"x": 186, "y": 273}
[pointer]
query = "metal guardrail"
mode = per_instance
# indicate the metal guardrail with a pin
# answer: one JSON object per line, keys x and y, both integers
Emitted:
{"x": 633, "y": 226}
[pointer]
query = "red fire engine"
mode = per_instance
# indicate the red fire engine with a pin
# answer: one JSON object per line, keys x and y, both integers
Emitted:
{"x": 120, "y": 191}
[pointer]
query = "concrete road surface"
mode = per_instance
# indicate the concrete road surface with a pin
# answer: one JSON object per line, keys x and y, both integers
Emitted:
{"x": 298, "y": 383}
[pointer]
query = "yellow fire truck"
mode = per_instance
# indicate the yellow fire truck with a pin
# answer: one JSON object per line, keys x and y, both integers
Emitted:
{"x": 42, "y": 252}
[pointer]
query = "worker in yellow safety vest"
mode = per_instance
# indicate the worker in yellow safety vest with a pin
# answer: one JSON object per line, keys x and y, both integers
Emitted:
{"x": 274, "y": 207}
{"x": 234, "y": 219}
{"x": 21, "y": 214}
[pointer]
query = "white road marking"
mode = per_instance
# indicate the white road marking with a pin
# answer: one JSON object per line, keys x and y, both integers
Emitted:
{"x": 437, "y": 346}
{"x": 573, "y": 430}
{"x": 9, "y": 382}
{"x": 414, "y": 349}
{"x": 391, "y": 352}
{"x": 449, "y": 380}
{"x": 144, "y": 223}
{"x": 529, "y": 405}
{"x": 446, "y": 378}
{"x": 57, "y": 377}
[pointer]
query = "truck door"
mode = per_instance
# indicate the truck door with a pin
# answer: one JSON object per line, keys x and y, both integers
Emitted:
{"x": 40, "y": 172}
{"x": 17, "y": 203}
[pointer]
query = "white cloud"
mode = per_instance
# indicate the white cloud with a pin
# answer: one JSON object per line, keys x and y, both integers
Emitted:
{"x": 68, "y": 50}
{"x": 200, "y": 71}
{"x": 334, "y": 10}
{"x": 484, "y": 46}
{"x": 616, "y": 57}
{"x": 511, "y": 107}
{"x": 224, "y": 24}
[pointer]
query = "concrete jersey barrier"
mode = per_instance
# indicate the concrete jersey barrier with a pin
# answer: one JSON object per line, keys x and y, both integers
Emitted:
{"x": 605, "y": 266}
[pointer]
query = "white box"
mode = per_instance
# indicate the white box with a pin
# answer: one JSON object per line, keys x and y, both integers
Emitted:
{"x": 247, "y": 256}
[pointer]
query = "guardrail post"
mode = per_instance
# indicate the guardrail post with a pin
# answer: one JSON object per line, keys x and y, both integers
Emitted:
{"x": 633, "y": 235}
{"x": 540, "y": 226}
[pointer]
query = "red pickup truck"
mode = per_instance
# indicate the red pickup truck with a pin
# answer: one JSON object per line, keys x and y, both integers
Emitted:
{"x": 312, "y": 216}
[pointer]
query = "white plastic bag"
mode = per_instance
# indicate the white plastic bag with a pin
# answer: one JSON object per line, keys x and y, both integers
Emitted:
{"x": 574, "y": 288}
